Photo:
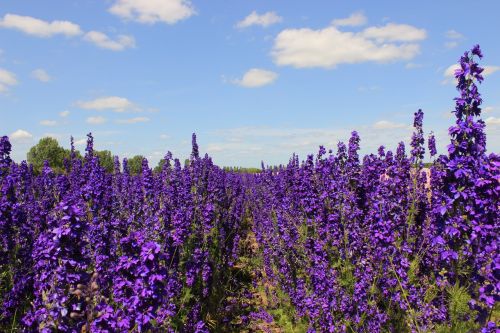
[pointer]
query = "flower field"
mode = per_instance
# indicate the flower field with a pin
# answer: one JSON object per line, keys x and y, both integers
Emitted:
{"x": 336, "y": 243}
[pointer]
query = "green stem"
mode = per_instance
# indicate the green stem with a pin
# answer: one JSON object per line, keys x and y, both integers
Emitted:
{"x": 410, "y": 309}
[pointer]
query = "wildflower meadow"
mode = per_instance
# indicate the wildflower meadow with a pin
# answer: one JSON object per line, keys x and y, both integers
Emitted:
{"x": 336, "y": 242}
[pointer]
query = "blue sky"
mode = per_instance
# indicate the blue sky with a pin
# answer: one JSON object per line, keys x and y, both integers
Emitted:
{"x": 257, "y": 80}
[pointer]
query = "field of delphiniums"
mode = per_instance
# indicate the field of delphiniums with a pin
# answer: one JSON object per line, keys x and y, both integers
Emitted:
{"x": 335, "y": 243}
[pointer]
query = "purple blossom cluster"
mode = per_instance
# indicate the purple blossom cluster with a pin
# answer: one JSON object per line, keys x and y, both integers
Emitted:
{"x": 373, "y": 245}
{"x": 89, "y": 251}
{"x": 355, "y": 244}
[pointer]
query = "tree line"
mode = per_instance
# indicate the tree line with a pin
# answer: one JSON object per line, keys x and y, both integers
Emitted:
{"x": 48, "y": 149}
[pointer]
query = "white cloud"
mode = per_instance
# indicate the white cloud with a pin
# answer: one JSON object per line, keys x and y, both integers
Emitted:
{"x": 64, "y": 113}
{"x": 492, "y": 121}
{"x": 451, "y": 44}
{"x": 21, "y": 136}
{"x": 48, "y": 123}
{"x": 276, "y": 144}
{"x": 133, "y": 120}
{"x": 385, "y": 124}
{"x": 449, "y": 72}
{"x": 39, "y": 28}
{"x": 103, "y": 41}
{"x": 7, "y": 79}
{"x": 392, "y": 32}
{"x": 214, "y": 148}
{"x": 41, "y": 75}
{"x": 152, "y": 11}
{"x": 114, "y": 103}
{"x": 96, "y": 120}
{"x": 355, "y": 20}
{"x": 453, "y": 34}
{"x": 488, "y": 70}
{"x": 488, "y": 109}
{"x": 329, "y": 47}
{"x": 164, "y": 136}
{"x": 454, "y": 37}
{"x": 264, "y": 20}
{"x": 80, "y": 142}
{"x": 256, "y": 77}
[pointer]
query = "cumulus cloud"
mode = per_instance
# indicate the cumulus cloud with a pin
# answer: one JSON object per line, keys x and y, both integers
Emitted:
{"x": 48, "y": 122}
{"x": 385, "y": 124}
{"x": 20, "y": 136}
{"x": 133, "y": 120}
{"x": 329, "y": 47}
{"x": 392, "y": 32}
{"x": 492, "y": 121}
{"x": 412, "y": 65}
{"x": 453, "y": 34}
{"x": 449, "y": 72}
{"x": 39, "y": 28}
{"x": 114, "y": 103}
{"x": 153, "y": 11}
{"x": 256, "y": 77}
{"x": 264, "y": 20}
{"x": 453, "y": 37}
{"x": 41, "y": 75}
{"x": 96, "y": 120}
{"x": 451, "y": 44}
{"x": 276, "y": 144}
{"x": 64, "y": 113}
{"x": 80, "y": 142}
{"x": 103, "y": 41}
{"x": 355, "y": 20}
{"x": 7, "y": 79}
{"x": 488, "y": 109}
{"x": 488, "y": 70}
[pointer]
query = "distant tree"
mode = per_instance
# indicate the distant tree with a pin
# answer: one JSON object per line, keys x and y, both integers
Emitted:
{"x": 105, "y": 160}
{"x": 242, "y": 169}
{"x": 48, "y": 149}
{"x": 135, "y": 164}
{"x": 159, "y": 167}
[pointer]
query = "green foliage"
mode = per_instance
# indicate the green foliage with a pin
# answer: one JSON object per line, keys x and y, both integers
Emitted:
{"x": 285, "y": 316}
{"x": 461, "y": 316}
{"x": 5, "y": 281}
{"x": 105, "y": 160}
{"x": 48, "y": 149}
{"x": 413, "y": 271}
{"x": 135, "y": 164}
{"x": 159, "y": 167}
{"x": 242, "y": 170}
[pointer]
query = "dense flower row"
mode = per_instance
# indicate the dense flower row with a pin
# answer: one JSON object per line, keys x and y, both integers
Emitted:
{"x": 351, "y": 244}
{"x": 86, "y": 250}
{"x": 372, "y": 245}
